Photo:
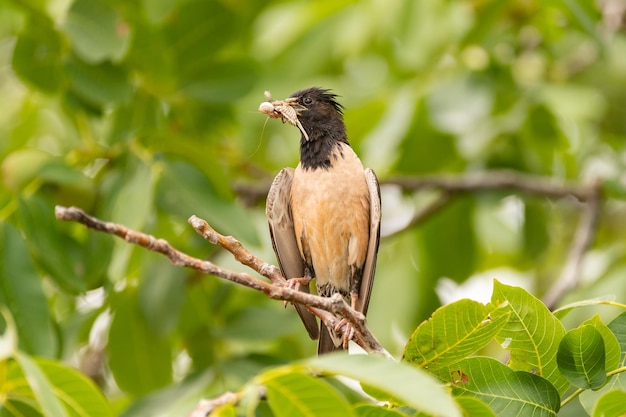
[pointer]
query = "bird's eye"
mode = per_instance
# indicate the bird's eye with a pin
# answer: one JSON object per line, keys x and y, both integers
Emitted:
{"x": 307, "y": 100}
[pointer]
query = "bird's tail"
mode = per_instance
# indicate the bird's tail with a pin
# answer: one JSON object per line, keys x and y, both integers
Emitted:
{"x": 327, "y": 341}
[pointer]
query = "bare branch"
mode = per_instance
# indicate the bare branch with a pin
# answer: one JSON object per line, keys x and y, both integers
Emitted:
{"x": 585, "y": 233}
{"x": 206, "y": 407}
{"x": 235, "y": 247}
{"x": 275, "y": 290}
{"x": 492, "y": 180}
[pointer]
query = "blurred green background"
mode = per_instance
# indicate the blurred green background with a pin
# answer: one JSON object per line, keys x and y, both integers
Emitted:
{"x": 144, "y": 113}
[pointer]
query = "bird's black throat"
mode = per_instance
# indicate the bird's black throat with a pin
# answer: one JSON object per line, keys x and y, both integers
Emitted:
{"x": 317, "y": 152}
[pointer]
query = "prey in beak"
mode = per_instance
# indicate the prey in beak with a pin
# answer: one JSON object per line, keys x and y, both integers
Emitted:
{"x": 287, "y": 110}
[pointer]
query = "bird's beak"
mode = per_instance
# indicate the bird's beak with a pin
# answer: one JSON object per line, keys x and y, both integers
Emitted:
{"x": 287, "y": 110}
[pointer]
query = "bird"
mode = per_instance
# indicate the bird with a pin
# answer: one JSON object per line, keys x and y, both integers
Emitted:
{"x": 324, "y": 215}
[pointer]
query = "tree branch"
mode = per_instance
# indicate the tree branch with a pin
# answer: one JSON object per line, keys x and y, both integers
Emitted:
{"x": 492, "y": 180}
{"x": 451, "y": 185}
{"x": 276, "y": 289}
{"x": 570, "y": 276}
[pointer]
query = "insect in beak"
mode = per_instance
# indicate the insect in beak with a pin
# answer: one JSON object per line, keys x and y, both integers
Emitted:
{"x": 287, "y": 110}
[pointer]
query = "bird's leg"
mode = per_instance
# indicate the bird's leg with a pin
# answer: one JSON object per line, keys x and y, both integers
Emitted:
{"x": 295, "y": 283}
{"x": 349, "y": 332}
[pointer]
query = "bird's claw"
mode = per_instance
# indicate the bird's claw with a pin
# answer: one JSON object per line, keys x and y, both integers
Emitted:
{"x": 295, "y": 283}
{"x": 348, "y": 333}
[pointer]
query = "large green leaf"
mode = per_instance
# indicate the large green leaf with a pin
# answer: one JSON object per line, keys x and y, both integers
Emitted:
{"x": 398, "y": 381}
{"x": 611, "y": 404}
{"x": 298, "y": 394}
{"x": 611, "y": 344}
{"x": 162, "y": 294}
{"x": 366, "y": 410}
{"x": 581, "y": 357}
{"x": 97, "y": 31}
{"x": 220, "y": 81}
{"x": 174, "y": 400}
{"x": 589, "y": 398}
{"x": 38, "y": 54}
{"x": 564, "y": 310}
{"x": 454, "y": 332}
{"x": 474, "y": 407}
{"x": 439, "y": 244}
{"x": 139, "y": 358}
{"x": 21, "y": 291}
{"x": 532, "y": 334}
{"x": 184, "y": 191}
{"x": 250, "y": 323}
{"x": 78, "y": 394}
{"x": 508, "y": 392}
{"x": 131, "y": 202}
{"x": 98, "y": 85}
{"x": 56, "y": 252}
{"x": 42, "y": 388}
{"x": 54, "y": 388}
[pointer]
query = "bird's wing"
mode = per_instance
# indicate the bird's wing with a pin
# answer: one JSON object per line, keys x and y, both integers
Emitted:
{"x": 369, "y": 268}
{"x": 278, "y": 211}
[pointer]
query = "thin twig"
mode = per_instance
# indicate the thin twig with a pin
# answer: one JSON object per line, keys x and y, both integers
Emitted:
{"x": 583, "y": 239}
{"x": 276, "y": 289}
{"x": 235, "y": 247}
{"x": 206, "y": 407}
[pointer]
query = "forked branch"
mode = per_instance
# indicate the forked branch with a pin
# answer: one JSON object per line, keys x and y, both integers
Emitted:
{"x": 276, "y": 289}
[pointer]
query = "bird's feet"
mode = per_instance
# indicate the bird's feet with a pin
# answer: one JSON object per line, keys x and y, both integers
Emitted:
{"x": 296, "y": 283}
{"x": 348, "y": 333}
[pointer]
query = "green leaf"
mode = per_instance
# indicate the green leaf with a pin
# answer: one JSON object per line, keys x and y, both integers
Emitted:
{"x": 56, "y": 171}
{"x": 183, "y": 190}
{"x": 74, "y": 391}
{"x": 79, "y": 394}
{"x": 581, "y": 357}
{"x": 589, "y": 398}
{"x": 507, "y": 392}
{"x": 21, "y": 167}
{"x": 162, "y": 294}
{"x": 220, "y": 82}
{"x": 474, "y": 407}
{"x": 567, "y": 308}
{"x": 532, "y": 334}
{"x": 100, "y": 84}
{"x": 250, "y": 324}
{"x": 42, "y": 388}
{"x": 536, "y": 234}
{"x": 438, "y": 245}
{"x": 611, "y": 404}
{"x": 454, "y": 332}
{"x": 618, "y": 327}
{"x": 366, "y": 410}
{"x": 21, "y": 291}
{"x": 399, "y": 380}
{"x": 141, "y": 116}
{"x": 37, "y": 58}
{"x": 45, "y": 240}
{"x": 174, "y": 400}
{"x": 132, "y": 203}
{"x": 296, "y": 394}
{"x": 611, "y": 345}
{"x": 139, "y": 358}
{"x": 96, "y": 31}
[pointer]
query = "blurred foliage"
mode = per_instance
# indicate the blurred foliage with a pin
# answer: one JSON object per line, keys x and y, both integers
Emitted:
{"x": 144, "y": 113}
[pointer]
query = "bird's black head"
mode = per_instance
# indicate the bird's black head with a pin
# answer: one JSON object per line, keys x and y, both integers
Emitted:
{"x": 320, "y": 114}
{"x": 321, "y": 117}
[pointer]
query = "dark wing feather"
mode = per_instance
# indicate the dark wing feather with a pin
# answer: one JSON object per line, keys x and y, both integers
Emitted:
{"x": 278, "y": 211}
{"x": 326, "y": 343}
{"x": 369, "y": 268}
